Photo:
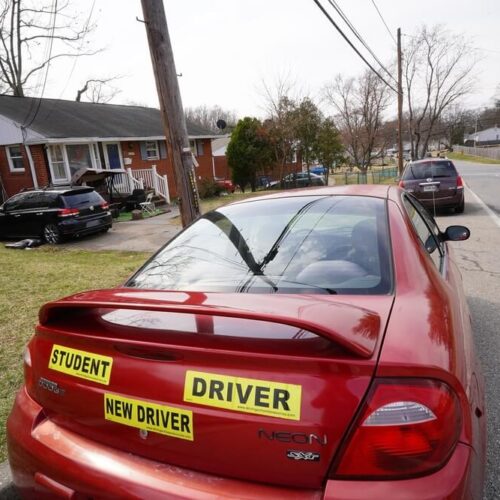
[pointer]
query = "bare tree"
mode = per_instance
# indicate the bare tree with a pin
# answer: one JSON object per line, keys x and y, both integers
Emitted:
{"x": 207, "y": 117}
{"x": 359, "y": 105}
{"x": 280, "y": 104}
{"x": 438, "y": 71}
{"x": 98, "y": 90}
{"x": 32, "y": 35}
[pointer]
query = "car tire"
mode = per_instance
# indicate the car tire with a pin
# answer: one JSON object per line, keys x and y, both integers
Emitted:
{"x": 460, "y": 208}
{"x": 52, "y": 235}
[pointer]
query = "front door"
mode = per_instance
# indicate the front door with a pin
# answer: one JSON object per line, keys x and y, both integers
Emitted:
{"x": 113, "y": 155}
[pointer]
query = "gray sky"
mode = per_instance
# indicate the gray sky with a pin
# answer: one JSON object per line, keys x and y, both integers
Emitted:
{"x": 225, "y": 49}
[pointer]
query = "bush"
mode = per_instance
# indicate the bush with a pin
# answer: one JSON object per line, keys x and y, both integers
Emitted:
{"x": 208, "y": 188}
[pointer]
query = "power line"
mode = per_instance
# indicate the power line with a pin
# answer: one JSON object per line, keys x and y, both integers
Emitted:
{"x": 49, "y": 55}
{"x": 383, "y": 20}
{"x": 352, "y": 46}
{"x": 341, "y": 13}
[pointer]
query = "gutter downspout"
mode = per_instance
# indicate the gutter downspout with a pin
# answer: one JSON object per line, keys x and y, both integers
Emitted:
{"x": 32, "y": 166}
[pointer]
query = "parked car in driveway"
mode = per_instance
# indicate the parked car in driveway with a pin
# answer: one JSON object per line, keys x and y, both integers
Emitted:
{"x": 305, "y": 344}
{"x": 435, "y": 183}
{"x": 301, "y": 180}
{"x": 54, "y": 214}
{"x": 225, "y": 184}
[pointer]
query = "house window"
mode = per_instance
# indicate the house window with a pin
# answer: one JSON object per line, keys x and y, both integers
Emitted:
{"x": 196, "y": 147}
{"x": 57, "y": 164}
{"x": 78, "y": 157}
{"x": 152, "y": 152}
{"x": 15, "y": 158}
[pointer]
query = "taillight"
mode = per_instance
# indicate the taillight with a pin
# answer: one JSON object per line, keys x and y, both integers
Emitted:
{"x": 408, "y": 427}
{"x": 68, "y": 212}
{"x": 401, "y": 184}
{"x": 460, "y": 182}
{"x": 104, "y": 206}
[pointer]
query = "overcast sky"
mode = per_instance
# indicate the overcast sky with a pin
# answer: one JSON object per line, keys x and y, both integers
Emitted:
{"x": 226, "y": 49}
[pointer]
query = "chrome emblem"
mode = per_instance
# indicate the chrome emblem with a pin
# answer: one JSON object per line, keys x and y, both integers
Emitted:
{"x": 429, "y": 179}
{"x": 48, "y": 385}
{"x": 303, "y": 455}
{"x": 92, "y": 208}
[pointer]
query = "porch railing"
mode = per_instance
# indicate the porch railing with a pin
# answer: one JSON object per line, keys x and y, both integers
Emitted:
{"x": 152, "y": 180}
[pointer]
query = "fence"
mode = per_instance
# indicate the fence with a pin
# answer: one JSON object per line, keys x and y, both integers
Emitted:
{"x": 485, "y": 152}
{"x": 371, "y": 177}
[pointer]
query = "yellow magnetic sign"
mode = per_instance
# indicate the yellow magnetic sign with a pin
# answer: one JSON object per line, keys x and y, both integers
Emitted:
{"x": 152, "y": 417}
{"x": 82, "y": 364}
{"x": 247, "y": 395}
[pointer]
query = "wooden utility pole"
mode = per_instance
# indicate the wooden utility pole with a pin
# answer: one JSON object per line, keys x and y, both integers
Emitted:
{"x": 171, "y": 108}
{"x": 400, "y": 105}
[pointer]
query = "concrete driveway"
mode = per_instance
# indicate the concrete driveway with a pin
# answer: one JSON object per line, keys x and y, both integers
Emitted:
{"x": 146, "y": 235}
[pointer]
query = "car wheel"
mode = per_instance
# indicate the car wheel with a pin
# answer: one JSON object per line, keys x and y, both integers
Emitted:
{"x": 52, "y": 235}
{"x": 460, "y": 208}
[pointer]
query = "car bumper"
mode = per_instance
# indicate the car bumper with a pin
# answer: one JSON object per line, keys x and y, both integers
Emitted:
{"x": 48, "y": 461}
{"x": 76, "y": 227}
{"x": 442, "y": 201}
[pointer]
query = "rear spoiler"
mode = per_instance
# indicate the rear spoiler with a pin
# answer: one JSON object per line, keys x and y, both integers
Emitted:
{"x": 353, "y": 328}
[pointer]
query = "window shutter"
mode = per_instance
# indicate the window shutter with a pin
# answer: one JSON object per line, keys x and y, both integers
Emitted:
{"x": 144, "y": 155}
{"x": 163, "y": 149}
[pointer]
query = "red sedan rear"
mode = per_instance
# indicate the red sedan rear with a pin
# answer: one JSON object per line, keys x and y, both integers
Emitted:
{"x": 309, "y": 344}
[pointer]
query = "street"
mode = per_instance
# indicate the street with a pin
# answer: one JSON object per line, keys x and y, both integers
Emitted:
{"x": 480, "y": 266}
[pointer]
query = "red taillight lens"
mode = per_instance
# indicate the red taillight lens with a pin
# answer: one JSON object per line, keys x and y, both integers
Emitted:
{"x": 401, "y": 184}
{"x": 104, "y": 206}
{"x": 407, "y": 428}
{"x": 68, "y": 212}
{"x": 460, "y": 182}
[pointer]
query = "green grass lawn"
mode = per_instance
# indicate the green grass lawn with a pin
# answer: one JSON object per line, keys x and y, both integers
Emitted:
{"x": 28, "y": 279}
{"x": 475, "y": 159}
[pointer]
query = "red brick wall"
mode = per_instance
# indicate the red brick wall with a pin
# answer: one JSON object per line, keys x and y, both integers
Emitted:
{"x": 13, "y": 182}
{"x": 221, "y": 167}
{"x": 132, "y": 150}
{"x": 41, "y": 166}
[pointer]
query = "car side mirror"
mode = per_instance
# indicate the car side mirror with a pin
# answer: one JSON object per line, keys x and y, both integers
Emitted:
{"x": 456, "y": 233}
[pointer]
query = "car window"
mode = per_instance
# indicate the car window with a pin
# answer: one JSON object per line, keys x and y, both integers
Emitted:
{"x": 14, "y": 203}
{"x": 78, "y": 199}
{"x": 429, "y": 170}
{"x": 307, "y": 244}
{"x": 426, "y": 236}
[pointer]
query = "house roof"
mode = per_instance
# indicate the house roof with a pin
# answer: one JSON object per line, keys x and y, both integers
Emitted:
{"x": 59, "y": 119}
{"x": 219, "y": 146}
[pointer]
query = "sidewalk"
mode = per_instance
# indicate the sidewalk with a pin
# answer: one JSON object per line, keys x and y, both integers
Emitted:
{"x": 7, "y": 491}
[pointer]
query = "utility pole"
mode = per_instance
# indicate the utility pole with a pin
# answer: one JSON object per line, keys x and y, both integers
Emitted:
{"x": 400, "y": 105}
{"x": 171, "y": 108}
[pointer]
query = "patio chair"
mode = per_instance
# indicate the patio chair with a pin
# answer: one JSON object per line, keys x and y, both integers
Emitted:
{"x": 148, "y": 206}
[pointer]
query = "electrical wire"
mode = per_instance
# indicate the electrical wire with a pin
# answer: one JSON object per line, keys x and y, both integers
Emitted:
{"x": 383, "y": 20}
{"x": 49, "y": 55}
{"x": 341, "y": 13}
{"x": 352, "y": 45}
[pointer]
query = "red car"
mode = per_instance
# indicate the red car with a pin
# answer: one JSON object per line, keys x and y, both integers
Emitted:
{"x": 314, "y": 344}
{"x": 226, "y": 185}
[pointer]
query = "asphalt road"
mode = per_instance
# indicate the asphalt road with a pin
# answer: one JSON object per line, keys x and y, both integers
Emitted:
{"x": 480, "y": 266}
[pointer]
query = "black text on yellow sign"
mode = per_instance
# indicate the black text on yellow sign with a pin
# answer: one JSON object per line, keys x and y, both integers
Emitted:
{"x": 247, "y": 395}
{"x": 87, "y": 365}
{"x": 152, "y": 417}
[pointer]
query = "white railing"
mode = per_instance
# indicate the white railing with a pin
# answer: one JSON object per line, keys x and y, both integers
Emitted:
{"x": 485, "y": 152}
{"x": 152, "y": 180}
{"x": 125, "y": 183}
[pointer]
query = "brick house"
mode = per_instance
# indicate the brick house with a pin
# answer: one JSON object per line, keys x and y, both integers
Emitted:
{"x": 54, "y": 142}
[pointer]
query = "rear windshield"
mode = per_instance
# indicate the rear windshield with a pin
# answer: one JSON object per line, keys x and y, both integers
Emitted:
{"x": 307, "y": 244}
{"x": 429, "y": 170}
{"x": 79, "y": 199}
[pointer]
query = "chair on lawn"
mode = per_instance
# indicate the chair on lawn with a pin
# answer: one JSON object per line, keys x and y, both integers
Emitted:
{"x": 148, "y": 206}
{"x": 133, "y": 201}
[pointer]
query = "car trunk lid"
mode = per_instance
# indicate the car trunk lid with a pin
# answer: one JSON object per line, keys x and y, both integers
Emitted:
{"x": 238, "y": 385}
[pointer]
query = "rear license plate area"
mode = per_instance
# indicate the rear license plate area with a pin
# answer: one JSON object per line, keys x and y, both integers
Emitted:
{"x": 93, "y": 223}
{"x": 428, "y": 189}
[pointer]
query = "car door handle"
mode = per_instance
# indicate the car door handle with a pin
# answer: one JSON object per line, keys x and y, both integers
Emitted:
{"x": 17, "y": 215}
{"x": 39, "y": 213}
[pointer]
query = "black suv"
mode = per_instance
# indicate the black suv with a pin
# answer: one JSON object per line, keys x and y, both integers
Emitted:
{"x": 435, "y": 183}
{"x": 54, "y": 213}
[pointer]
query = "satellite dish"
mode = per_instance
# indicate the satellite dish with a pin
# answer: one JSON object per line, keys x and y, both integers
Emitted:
{"x": 221, "y": 124}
